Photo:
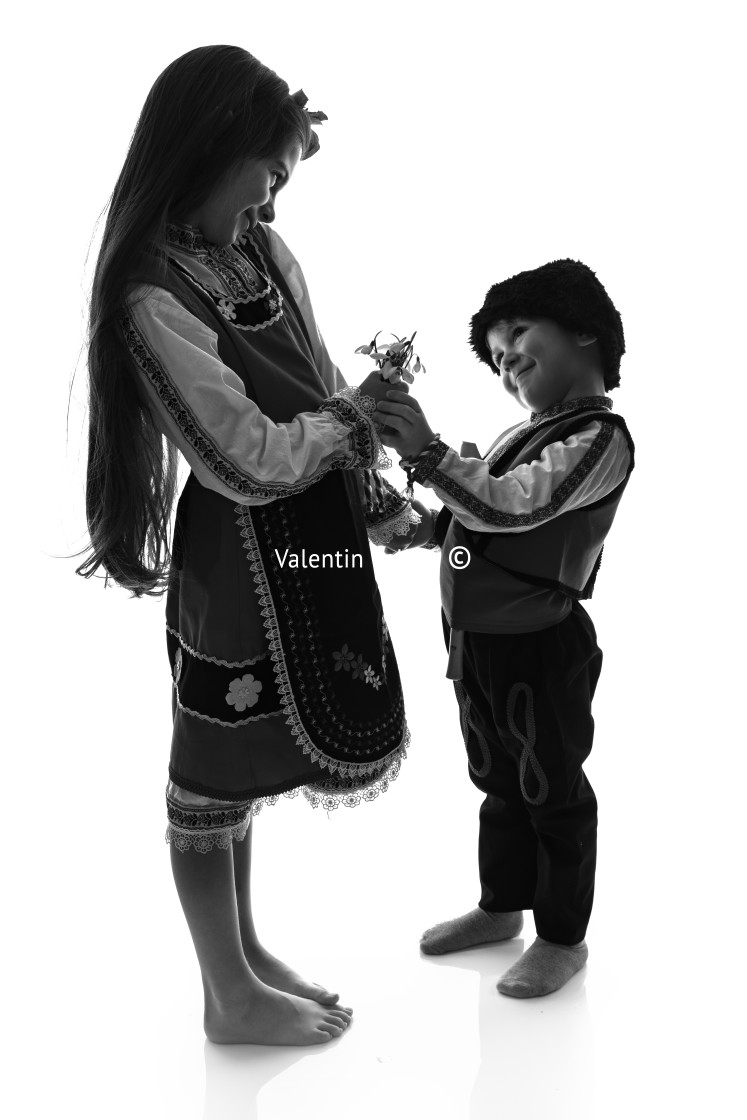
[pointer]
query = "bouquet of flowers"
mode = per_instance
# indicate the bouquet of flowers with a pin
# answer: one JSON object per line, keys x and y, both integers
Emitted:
{"x": 394, "y": 359}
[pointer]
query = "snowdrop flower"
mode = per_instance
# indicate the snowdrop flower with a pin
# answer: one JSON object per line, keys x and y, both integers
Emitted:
{"x": 394, "y": 359}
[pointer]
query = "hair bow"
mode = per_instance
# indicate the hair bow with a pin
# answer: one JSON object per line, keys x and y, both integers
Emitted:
{"x": 315, "y": 117}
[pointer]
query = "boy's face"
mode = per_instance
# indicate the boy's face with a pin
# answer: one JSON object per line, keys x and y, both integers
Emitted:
{"x": 541, "y": 363}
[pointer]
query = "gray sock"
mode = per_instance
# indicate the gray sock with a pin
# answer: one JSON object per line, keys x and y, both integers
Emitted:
{"x": 542, "y": 969}
{"x": 479, "y": 927}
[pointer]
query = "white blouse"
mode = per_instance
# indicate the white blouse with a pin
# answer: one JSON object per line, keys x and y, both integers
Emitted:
{"x": 230, "y": 444}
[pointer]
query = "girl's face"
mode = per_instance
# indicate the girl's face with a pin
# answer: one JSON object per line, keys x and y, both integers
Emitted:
{"x": 245, "y": 196}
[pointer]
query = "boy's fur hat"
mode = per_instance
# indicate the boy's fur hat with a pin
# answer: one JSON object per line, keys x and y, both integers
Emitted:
{"x": 565, "y": 291}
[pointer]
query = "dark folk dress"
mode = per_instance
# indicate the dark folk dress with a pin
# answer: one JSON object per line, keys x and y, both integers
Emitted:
{"x": 284, "y": 676}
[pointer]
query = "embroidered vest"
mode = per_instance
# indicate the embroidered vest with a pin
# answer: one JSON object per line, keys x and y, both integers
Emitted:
{"x": 525, "y": 580}
{"x": 313, "y": 639}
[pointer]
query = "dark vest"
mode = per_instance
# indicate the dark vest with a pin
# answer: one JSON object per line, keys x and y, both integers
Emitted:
{"x": 530, "y": 576}
{"x": 315, "y": 640}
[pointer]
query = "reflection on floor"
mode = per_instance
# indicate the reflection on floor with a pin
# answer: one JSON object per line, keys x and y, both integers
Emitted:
{"x": 442, "y": 1043}
{"x": 645, "y": 1030}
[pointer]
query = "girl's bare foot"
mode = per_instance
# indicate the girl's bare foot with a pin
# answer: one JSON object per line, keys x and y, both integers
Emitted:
{"x": 269, "y": 1017}
{"x": 277, "y": 975}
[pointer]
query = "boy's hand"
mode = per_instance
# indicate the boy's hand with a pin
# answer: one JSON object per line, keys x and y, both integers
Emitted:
{"x": 407, "y": 429}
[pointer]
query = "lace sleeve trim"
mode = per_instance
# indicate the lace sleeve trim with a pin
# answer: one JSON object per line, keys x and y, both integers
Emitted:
{"x": 239, "y": 481}
{"x": 383, "y": 531}
{"x": 354, "y": 410}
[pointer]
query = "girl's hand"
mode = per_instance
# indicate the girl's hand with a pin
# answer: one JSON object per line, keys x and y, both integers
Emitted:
{"x": 374, "y": 386}
{"x": 417, "y": 534}
{"x": 406, "y": 428}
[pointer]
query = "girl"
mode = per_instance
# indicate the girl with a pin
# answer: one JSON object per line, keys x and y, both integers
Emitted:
{"x": 284, "y": 678}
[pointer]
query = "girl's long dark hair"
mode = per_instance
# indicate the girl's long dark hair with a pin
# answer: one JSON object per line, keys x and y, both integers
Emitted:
{"x": 208, "y": 110}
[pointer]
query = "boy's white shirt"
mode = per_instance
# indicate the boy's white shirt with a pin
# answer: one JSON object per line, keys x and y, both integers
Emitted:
{"x": 529, "y": 487}
{"x": 291, "y": 456}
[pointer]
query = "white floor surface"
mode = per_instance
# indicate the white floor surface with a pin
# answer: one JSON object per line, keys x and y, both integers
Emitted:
{"x": 101, "y": 983}
{"x": 649, "y": 1029}
{"x": 465, "y": 142}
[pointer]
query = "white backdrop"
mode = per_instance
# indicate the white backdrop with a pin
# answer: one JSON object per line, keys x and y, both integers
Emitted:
{"x": 464, "y": 143}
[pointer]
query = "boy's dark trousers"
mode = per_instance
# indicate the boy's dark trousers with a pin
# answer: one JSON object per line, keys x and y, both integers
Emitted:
{"x": 525, "y": 707}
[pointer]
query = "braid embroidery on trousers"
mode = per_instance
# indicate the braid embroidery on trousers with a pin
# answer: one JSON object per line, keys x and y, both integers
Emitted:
{"x": 464, "y": 709}
{"x": 528, "y": 742}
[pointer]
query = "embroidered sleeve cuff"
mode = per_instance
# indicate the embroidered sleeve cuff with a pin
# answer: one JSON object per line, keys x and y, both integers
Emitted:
{"x": 354, "y": 411}
{"x": 423, "y": 465}
{"x": 434, "y": 544}
{"x": 397, "y": 526}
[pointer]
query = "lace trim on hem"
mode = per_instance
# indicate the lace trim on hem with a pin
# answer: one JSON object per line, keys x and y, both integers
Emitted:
{"x": 329, "y": 798}
{"x": 319, "y": 795}
{"x": 206, "y": 841}
{"x": 383, "y": 532}
{"x": 282, "y": 680}
{"x": 331, "y": 794}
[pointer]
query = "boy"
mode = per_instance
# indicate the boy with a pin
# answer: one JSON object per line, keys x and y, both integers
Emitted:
{"x": 521, "y": 534}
